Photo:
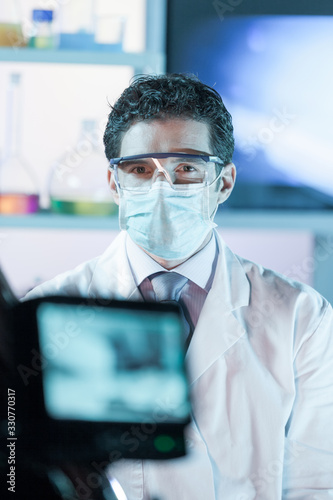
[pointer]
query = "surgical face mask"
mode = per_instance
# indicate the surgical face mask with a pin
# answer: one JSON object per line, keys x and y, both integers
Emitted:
{"x": 168, "y": 223}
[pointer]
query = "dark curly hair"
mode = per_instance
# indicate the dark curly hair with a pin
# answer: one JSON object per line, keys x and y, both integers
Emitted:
{"x": 161, "y": 97}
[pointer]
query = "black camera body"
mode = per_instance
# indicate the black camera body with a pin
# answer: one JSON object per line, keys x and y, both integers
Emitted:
{"x": 100, "y": 380}
{"x": 88, "y": 381}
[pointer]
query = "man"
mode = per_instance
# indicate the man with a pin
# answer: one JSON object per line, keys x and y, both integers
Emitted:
{"x": 260, "y": 346}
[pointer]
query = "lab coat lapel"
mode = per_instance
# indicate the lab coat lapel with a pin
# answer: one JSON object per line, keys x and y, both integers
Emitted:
{"x": 218, "y": 327}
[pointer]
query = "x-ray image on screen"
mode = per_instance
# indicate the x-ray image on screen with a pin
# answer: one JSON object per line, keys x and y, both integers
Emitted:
{"x": 108, "y": 364}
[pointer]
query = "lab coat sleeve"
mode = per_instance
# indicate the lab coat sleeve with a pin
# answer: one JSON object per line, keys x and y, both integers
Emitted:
{"x": 308, "y": 459}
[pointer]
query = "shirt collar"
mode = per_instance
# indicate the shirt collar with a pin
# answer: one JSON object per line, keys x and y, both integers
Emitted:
{"x": 197, "y": 268}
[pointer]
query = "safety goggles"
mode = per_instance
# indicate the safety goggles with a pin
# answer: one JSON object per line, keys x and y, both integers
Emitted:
{"x": 139, "y": 172}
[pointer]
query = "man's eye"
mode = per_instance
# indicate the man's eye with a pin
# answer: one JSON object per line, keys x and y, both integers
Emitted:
{"x": 187, "y": 168}
{"x": 134, "y": 168}
{"x": 139, "y": 170}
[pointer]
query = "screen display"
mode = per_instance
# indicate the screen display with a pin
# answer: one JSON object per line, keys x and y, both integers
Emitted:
{"x": 275, "y": 75}
{"x": 112, "y": 365}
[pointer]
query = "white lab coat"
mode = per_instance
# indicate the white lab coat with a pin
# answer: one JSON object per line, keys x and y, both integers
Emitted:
{"x": 260, "y": 367}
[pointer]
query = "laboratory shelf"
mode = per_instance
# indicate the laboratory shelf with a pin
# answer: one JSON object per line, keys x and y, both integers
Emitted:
{"x": 315, "y": 222}
{"x": 54, "y": 221}
{"x": 318, "y": 222}
{"x": 153, "y": 60}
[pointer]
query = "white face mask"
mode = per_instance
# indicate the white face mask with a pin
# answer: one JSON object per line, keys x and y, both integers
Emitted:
{"x": 168, "y": 223}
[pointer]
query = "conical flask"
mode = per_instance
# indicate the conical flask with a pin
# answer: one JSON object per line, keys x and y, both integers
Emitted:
{"x": 18, "y": 186}
{"x": 78, "y": 183}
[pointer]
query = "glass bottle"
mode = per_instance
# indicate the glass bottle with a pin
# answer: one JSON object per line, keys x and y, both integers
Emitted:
{"x": 78, "y": 183}
{"x": 42, "y": 33}
{"x": 18, "y": 186}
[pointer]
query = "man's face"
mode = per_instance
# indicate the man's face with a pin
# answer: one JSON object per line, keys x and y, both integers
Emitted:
{"x": 171, "y": 136}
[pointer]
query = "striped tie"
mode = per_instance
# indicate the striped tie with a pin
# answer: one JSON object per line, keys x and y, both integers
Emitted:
{"x": 168, "y": 287}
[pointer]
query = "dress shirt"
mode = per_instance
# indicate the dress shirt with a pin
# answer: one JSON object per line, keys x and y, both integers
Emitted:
{"x": 199, "y": 269}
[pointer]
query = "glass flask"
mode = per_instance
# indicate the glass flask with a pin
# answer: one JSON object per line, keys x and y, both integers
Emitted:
{"x": 77, "y": 24}
{"x": 11, "y": 34}
{"x": 18, "y": 186}
{"x": 78, "y": 182}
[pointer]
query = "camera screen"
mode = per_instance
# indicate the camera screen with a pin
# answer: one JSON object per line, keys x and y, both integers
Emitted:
{"x": 112, "y": 365}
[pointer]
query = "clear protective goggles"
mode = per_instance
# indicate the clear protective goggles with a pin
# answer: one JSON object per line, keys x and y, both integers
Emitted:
{"x": 139, "y": 172}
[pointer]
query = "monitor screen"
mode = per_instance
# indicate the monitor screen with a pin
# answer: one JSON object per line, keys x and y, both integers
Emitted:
{"x": 111, "y": 365}
{"x": 275, "y": 75}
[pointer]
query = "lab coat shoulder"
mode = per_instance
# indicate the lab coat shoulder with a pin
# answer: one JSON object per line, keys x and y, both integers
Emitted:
{"x": 291, "y": 320}
{"x": 70, "y": 283}
{"x": 265, "y": 300}
{"x": 98, "y": 277}
{"x": 282, "y": 301}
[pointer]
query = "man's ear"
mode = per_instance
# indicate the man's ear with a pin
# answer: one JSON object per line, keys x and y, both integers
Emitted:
{"x": 113, "y": 188}
{"x": 228, "y": 179}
